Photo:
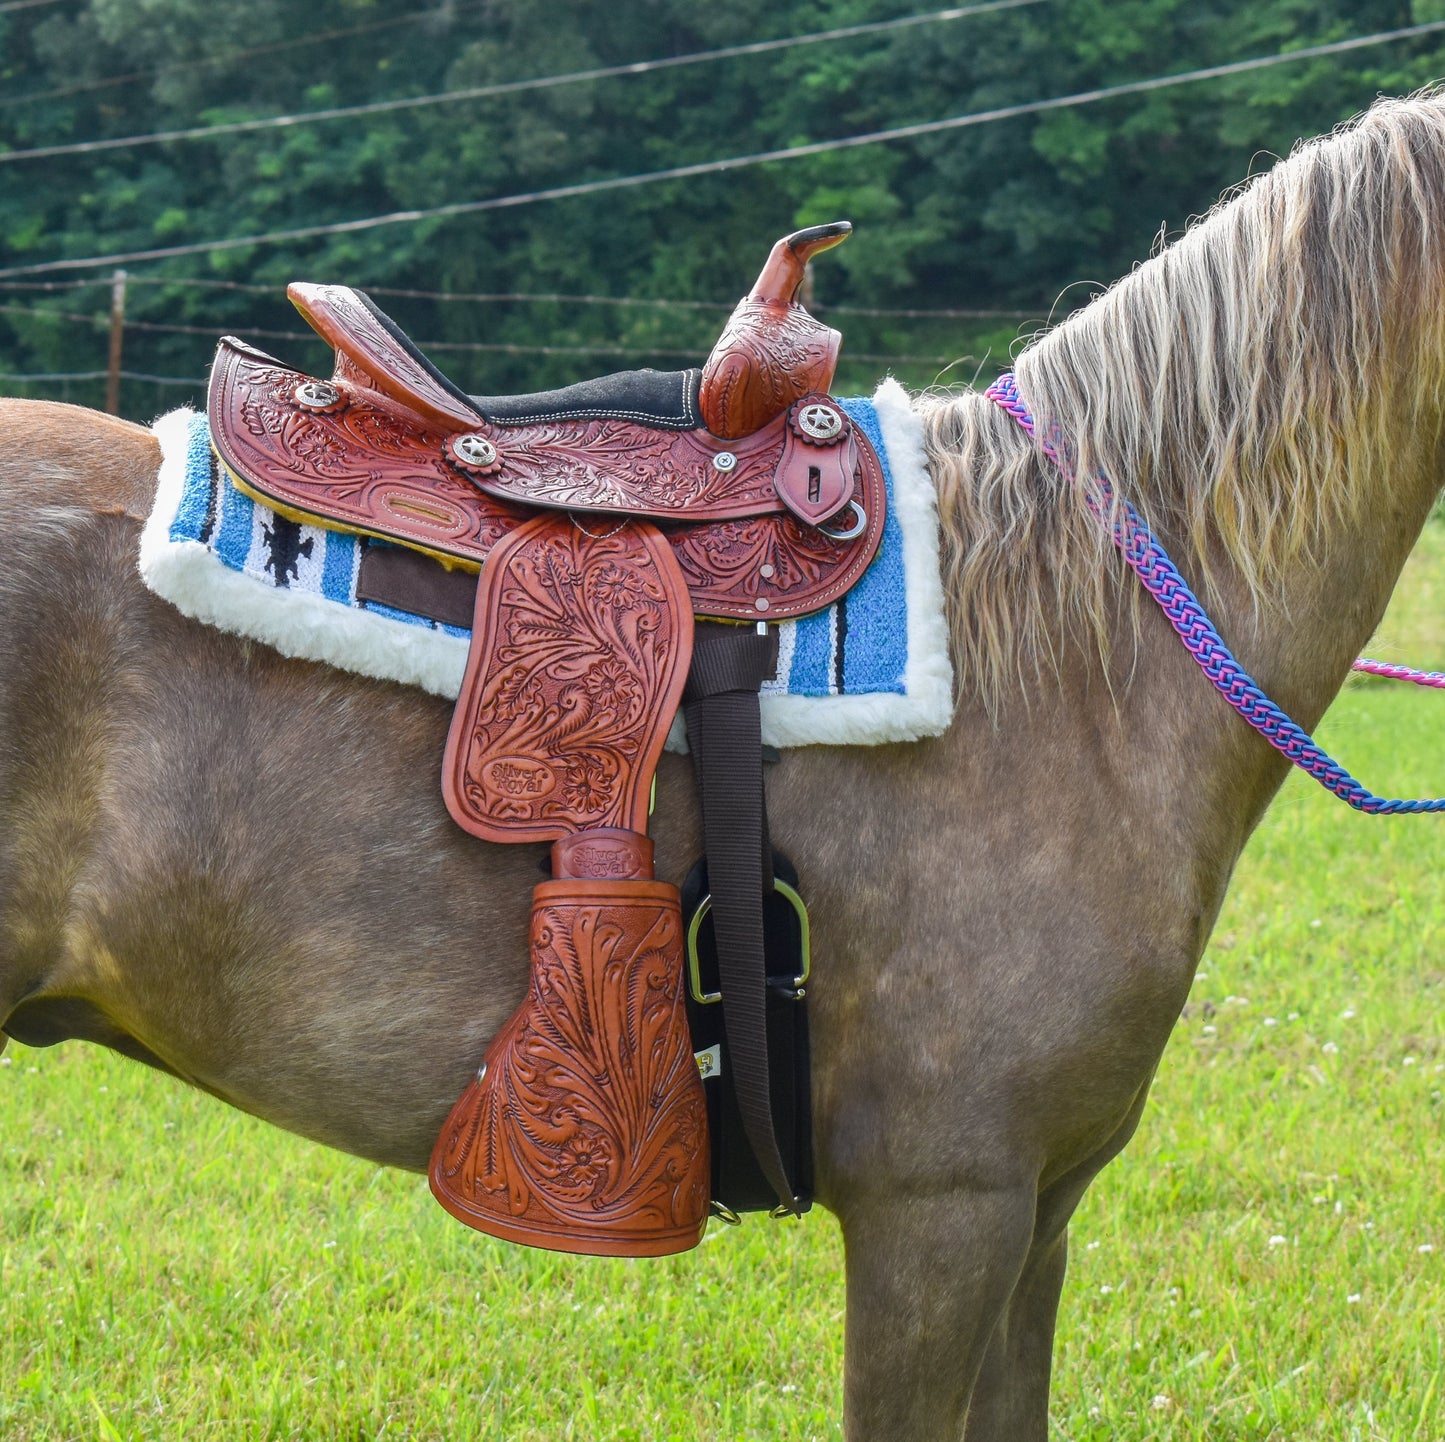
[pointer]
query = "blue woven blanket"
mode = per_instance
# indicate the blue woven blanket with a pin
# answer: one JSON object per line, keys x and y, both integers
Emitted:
{"x": 872, "y": 668}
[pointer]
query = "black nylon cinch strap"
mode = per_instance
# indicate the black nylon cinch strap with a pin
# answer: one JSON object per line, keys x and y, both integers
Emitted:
{"x": 724, "y": 731}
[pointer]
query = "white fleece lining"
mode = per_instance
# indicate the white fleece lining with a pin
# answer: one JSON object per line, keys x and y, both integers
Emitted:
{"x": 926, "y": 707}
{"x": 307, "y": 627}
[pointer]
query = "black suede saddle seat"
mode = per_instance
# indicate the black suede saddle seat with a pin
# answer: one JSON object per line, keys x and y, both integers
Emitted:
{"x": 665, "y": 399}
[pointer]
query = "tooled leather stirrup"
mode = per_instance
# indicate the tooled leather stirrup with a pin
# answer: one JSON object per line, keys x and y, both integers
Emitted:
{"x": 585, "y": 1130}
{"x": 771, "y": 352}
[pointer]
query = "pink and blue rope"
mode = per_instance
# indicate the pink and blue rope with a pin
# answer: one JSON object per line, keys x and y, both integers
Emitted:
{"x": 1150, "y": 562}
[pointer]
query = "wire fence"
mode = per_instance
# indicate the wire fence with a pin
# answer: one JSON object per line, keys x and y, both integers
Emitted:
{"x": 148, "y": 362}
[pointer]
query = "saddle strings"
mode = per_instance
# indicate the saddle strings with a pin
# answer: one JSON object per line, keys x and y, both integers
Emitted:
{"x": 1161, "y": 578}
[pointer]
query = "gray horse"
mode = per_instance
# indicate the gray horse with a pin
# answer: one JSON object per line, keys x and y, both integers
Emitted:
{"x": 237, "y": 868}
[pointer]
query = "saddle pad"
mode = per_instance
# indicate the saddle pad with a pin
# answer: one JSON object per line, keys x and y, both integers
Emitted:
{"x": 872, "y": 668}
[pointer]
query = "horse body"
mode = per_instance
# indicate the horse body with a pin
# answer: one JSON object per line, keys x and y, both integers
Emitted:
{"x": 239, "y": 868}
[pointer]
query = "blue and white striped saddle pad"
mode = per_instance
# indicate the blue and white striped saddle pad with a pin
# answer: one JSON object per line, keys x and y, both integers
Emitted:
{"x": 874, "y": 667}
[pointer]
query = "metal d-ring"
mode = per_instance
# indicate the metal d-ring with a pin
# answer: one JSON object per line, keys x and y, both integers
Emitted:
{"x": 694, "y": 962}
{"x": 854, "y": 531}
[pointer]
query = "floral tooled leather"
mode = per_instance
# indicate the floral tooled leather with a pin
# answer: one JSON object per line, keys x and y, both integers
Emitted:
{"x": 618, "y": 466}
{"x": 580, "y": 650}
{"x": 368, "y": 467}
{"x": 771, "y": 351}
{"x": 372, "y": 467}
{"x": 364, "y": 347}
{"x": 768, "y": 355}
{"x": 586, "y": 1128}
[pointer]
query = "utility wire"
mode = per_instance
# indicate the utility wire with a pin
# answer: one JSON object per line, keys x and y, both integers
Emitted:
{"x": 519, "y": 297}
{"x": 458, "y": 347}
{"x": 24, "y": 5}
{"x": 718, "y": 167}
{"x": 510, "y": 297}
{"x": 507, "y": 87}
{"x": 198, "y": 382}
{"x": 229, "y": 55}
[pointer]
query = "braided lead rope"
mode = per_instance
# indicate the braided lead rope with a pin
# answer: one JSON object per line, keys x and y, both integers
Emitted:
{"x": 1399, "y": 673}
{"x": 1150, "y": 562}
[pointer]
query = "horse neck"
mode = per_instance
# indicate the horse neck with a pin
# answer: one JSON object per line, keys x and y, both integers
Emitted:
{"x": 1192, "y": 777}
{"x": 1299, "y": 638}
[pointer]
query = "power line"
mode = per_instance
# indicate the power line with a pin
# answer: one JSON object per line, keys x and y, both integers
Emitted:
{"x": 24, "y": 5}
{"x": 99, "y": 318}
{"x": 229, "y": 55}
{"x": 639, "y": 302}
{"x": 718, "y": 167}
{"x": 460, "y": 347}
{"x": 102, "y": 375}
{"x": 508, "y": 87}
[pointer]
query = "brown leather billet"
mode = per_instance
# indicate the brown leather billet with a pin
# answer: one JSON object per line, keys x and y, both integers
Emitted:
{"x": 367, "y": 465}
{"x": 580, "y": 650}
{"x": 408, "y": 580}
{"x": 586, "y": 1128}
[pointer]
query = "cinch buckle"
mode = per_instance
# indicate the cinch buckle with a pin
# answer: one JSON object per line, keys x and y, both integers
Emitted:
{"x": 694, "y": 964}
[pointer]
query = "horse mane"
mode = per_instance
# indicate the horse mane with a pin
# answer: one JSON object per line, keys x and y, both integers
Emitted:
{"x": 1239, "y": 388}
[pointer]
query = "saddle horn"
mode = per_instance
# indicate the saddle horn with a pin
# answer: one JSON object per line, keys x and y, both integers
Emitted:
{"x": 771, "y": 352}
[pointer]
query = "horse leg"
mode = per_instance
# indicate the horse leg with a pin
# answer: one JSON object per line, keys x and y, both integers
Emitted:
{"x": 1011, "y": 1397}
{"x": 929, "y": 1276}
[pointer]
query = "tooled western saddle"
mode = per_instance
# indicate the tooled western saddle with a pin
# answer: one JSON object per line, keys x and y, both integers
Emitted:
{"x": 603, "y": 516}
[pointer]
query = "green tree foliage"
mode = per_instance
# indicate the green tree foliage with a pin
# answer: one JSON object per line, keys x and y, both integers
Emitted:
{"x": 995, "y": 217}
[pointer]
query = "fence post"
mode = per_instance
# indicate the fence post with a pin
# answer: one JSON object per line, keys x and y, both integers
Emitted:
{"x": 117, "y": 335}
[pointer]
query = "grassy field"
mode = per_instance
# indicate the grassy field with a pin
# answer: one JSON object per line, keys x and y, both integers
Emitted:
{"x": 1267, "y": 1260}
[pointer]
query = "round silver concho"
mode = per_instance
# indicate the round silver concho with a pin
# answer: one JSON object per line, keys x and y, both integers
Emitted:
{"x": 819, "y": 422}
{"x": 316, "y": 395}
{"x": 474, "y": 450}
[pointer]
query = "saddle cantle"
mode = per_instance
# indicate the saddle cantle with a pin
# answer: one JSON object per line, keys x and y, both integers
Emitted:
{"x": 740, "y": 491}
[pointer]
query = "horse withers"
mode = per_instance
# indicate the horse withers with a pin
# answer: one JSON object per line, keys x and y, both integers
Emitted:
{"x": 237, "y": 867}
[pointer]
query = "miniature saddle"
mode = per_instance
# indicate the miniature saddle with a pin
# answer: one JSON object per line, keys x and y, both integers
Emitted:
{"x": 603, "y": 517}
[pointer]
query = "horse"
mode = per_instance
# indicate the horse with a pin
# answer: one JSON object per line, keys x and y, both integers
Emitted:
{"x": 237, "y": 867}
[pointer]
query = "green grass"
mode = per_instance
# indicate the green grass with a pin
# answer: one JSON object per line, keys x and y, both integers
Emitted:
{"x": 1254, "y": 1267}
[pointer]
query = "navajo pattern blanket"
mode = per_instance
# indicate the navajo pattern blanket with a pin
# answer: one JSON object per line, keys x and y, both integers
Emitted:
{"x": 872, "y": 668}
